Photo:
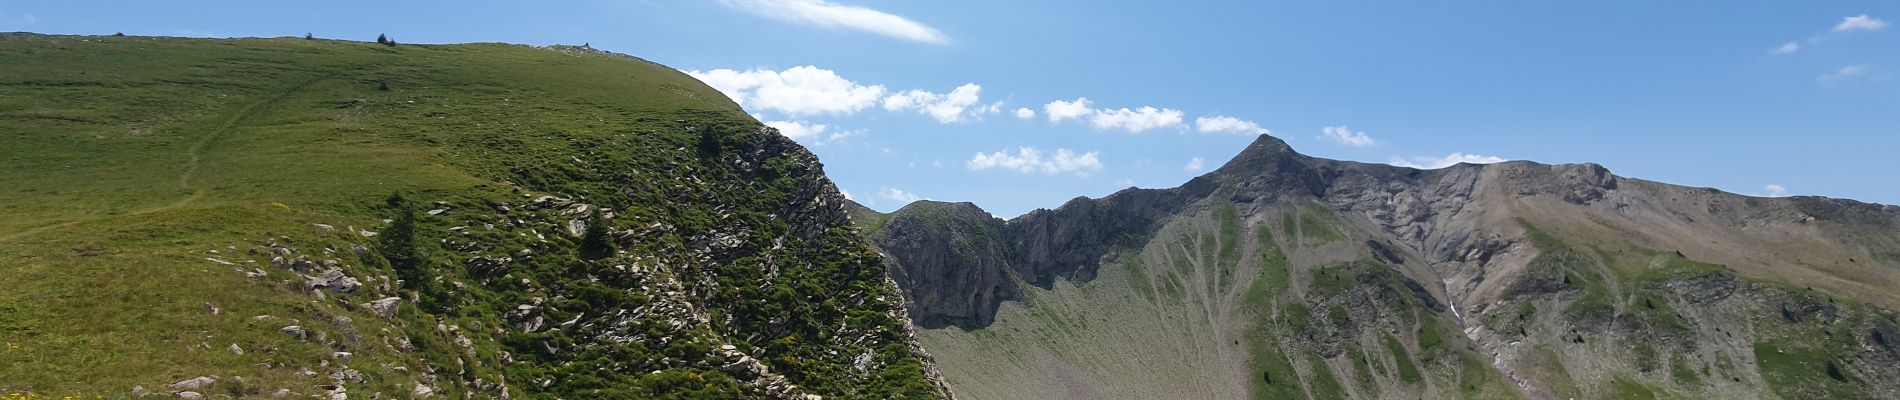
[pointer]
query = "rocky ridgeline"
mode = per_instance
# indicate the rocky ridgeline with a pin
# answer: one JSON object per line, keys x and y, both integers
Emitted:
{"x": 504, "y": 249}
{"x": 1682, "y": 290}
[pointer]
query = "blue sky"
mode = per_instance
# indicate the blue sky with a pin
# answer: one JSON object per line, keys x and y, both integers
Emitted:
{"x": 920, "y": 99}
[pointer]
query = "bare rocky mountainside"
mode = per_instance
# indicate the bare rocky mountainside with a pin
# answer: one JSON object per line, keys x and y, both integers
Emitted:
{"x": 1286, "y": 276}
{"x": 306, "y": 218}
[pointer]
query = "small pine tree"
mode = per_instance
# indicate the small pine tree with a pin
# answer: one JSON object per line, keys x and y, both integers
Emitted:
{"x": 382, "y": 39}
{"x": 597, "y": 241}
{"x": 398, "y": 246}
{"x": 309, "y": 36}
{"x": 709, "y": 142}
{"x": 381, "y": 85}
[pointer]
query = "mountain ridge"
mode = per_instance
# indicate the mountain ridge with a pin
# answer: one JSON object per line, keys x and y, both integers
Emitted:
{"x": 1466, "y": 244}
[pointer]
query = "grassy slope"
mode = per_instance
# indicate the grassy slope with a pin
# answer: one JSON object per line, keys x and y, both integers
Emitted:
{"x": 1648, "y": 323}
{"x": 1217, "y": 306}
{"x": 131, "y": 160}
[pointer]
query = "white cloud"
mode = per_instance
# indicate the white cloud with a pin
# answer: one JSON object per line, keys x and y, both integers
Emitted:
{"x": 798, "y": 91}
{"x": 842, "y": 134}
{"x": 1776, "y": 190}
{"x": 1342, "y": 135}
{"x": 847, "y": 194}
{"x": 839, "y": 16}
{"x": 900, "y": 196}
{"x": 1446, "y": 161}
{"x": 946, "y": 108}
{"x": 1025, "y": 113}
{"x": 1194, "y": 164}
{"x": 1788, "y": 48}
{"x": 1221, "y": 123}
{"x": 799, "y": 130}
{"x": 993, "y": 108}
{"x": 1860, "y": 23}
{"x": 1060, "y": 110}
{"x": 1029, "y": 159}
{"x": 1843, "y": 74}
{"x": 1136, "y": 120}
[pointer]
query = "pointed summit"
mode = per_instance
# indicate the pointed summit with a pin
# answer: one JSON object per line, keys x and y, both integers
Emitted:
{"x": 1269, "y": 163}
{"x": 1266, "y": 152}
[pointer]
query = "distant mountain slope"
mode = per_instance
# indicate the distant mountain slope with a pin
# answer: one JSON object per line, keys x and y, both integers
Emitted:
{"x": 263, "y": 217}
{"x": 1284, "y": 276}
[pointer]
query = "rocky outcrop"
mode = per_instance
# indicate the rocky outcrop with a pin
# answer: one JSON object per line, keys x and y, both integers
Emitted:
{"x": 952, "y": 261}
{"x": 1069, "y": 241}
{"x": 957, "y": 263}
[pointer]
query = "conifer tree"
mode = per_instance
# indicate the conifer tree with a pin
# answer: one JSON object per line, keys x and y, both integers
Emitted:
{"x": 596, "y": 241}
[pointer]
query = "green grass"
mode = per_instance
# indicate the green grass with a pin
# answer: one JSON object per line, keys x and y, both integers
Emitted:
{"x": 1274, "y": 275}
{"x": 868, "y": 221}
{"x": 1317, "y": 224}
{"x": 1624, "y": 388}
{"x": 1432, "y": 334}
{"x": 1477, "y": 381}
{"x": 1408, "y": 371}
{"x": 1801, "y": 370}
{"x": 1363, "y": 372}
{"x": 1275, "y": 375}
{"x": 1321, "y": 382}
{"x": 1683, "y": 373}
{"x": 1544, "y": 365}
{"x": 133, "y": 158}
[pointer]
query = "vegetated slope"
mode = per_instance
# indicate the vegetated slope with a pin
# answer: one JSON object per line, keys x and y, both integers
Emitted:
{"x": 315, "y": 217}
{"x": 1286, "y": 276}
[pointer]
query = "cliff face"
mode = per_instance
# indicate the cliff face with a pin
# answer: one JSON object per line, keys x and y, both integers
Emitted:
{"x": 1280, "y": 275}
{"x": 954, "y": 260}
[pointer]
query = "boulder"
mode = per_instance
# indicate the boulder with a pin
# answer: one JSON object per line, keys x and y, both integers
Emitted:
{"x": 193, "y": 383}
{"x": 385, "y": 307}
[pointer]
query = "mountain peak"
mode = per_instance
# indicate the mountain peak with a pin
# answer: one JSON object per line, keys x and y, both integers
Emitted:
{"x": 1269, "y": 163}
{"x": 1264, "y": 147}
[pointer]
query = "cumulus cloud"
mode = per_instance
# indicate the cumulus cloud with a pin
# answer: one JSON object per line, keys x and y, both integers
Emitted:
{"x": 1446, "y": 161}
{"x": 798, "y": 91}
{"x": 946, "y": 108}
{"x": 1060, "y": 109}
{"x": 1133, "y": 120}
{"x": 1136, "y": 120}
{"x": 1025, "y": 113}
{"x": 799, "y": 130}
{"x": 1776, "y": 190}
{"x": 827, "y": 14}
{"x": 1029, "y": 159}
{"x": 900, "y": 196}
{"x": 1342, "y": 135}
{"x": 1222, "y": 123}
{"x": 1194, "y": 164}
{"x": 1841, "y": 75}
{"x": 1788, "y": 48}
{"x": 847, "y": 194}
{"x": 1860, "y": 23}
